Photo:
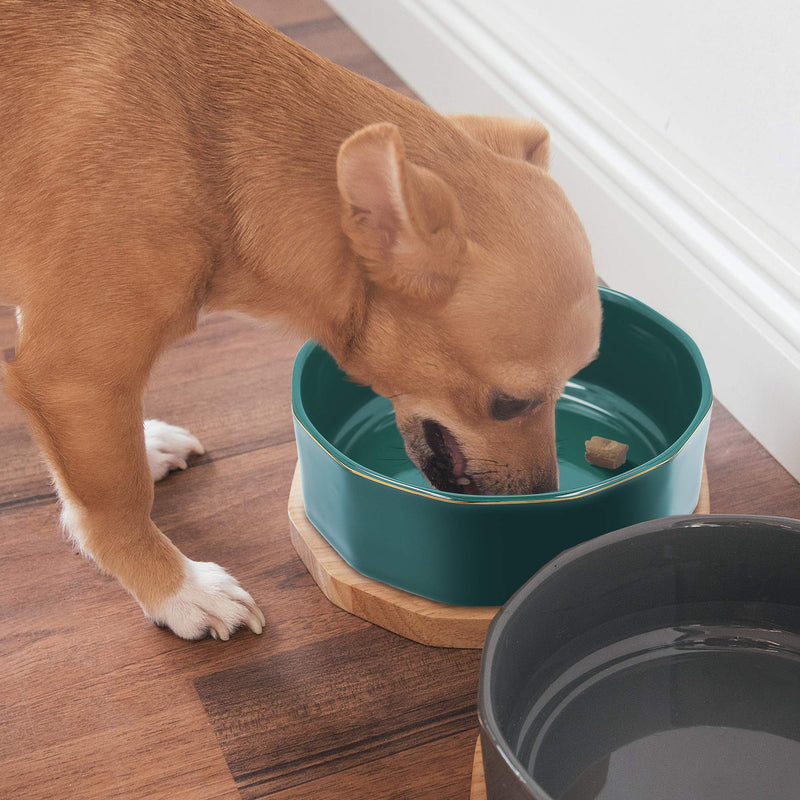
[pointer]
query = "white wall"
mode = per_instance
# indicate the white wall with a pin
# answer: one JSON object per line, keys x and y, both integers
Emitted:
{"x": 675, "y": 130}
{"x": 718, "y": 80}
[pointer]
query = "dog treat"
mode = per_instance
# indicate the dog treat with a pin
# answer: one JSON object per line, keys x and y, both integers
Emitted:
{"x": 606, "y": 453}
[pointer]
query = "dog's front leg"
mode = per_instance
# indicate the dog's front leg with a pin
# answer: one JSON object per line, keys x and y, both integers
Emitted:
{"x": 90, "y": 430}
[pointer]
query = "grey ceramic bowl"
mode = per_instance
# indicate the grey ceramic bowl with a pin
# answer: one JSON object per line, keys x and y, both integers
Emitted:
{"x": 658, "y": 662}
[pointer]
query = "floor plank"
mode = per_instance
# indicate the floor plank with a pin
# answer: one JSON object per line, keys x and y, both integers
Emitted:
{"x": 128, "y": 761}
{"x": 436, "y": 770}
{"x": 743, "y": 476}
{"x": 329, "y": 711}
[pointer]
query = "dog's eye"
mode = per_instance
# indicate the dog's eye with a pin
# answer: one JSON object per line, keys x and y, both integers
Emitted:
{"x": 506, "y": 407}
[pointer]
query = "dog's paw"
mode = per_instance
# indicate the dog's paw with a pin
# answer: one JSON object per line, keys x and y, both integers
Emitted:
{"x": 210, "y": 601}
{"x": 168, "y": 447}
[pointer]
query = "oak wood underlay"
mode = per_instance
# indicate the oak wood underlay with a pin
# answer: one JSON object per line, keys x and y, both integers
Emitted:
{"x": 478, "y": 787}
{"x": 425, "y": 621}
{"x": 417, "y": 618}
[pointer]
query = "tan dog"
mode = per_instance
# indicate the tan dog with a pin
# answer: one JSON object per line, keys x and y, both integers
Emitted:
{"x": 163, "y": 157}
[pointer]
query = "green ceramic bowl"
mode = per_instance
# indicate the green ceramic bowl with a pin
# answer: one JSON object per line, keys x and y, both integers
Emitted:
{"x": 649, "y": 388}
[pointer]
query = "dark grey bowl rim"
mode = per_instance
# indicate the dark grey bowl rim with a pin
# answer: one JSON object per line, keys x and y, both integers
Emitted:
{"x": 486, "y": 718}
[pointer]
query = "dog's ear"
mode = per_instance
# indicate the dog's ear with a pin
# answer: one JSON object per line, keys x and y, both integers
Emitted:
{"x": 524, "y": 139}
{"x": 403, "y": 220}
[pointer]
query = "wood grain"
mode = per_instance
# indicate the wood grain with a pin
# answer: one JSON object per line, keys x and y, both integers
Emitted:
{"x": 117, "y": 763}
{"x": 95, "y": 703}
{"x": 336, "y": 704}
{"x": 743, "y": 476}
{"x": 416, "y": 618}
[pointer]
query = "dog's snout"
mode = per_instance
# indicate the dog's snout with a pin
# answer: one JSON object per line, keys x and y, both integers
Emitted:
{"x": 544, "y": 480}
{"x": 547, "y": 484}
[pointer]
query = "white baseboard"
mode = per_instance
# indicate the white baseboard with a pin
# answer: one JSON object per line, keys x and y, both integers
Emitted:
{"x": 658, "y": 231}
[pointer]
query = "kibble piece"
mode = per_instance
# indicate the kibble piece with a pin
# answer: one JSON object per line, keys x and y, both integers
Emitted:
{"x": 606, "y": 453}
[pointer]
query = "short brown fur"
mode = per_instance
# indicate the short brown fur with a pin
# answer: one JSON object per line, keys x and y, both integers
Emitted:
{"x": 162, "y": 158}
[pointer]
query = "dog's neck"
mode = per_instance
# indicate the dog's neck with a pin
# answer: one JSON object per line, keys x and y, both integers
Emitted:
{"x": 283, "y": 130}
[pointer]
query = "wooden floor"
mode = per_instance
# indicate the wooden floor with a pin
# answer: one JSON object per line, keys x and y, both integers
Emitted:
{"x": 97, "y": 703}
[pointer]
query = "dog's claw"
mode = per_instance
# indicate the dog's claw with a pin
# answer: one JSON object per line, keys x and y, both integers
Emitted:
{"x": 256, "y": 616}
{"x": 254, "y": 623}
{"x": 218, "y": 630}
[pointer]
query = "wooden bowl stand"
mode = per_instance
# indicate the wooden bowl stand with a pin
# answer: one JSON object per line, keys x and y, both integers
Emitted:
{"x": 478, "y": 789}
{"x": 414, "y": 617}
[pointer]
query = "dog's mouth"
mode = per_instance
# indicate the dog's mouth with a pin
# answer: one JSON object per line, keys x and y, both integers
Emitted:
{"x": 446, "y": 466}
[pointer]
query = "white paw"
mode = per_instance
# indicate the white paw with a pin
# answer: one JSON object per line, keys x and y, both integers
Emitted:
{"x": 210, "y": 601}
{"x": 168, "y": 447}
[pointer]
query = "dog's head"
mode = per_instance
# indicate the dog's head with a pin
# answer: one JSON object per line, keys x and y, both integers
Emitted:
{"x": 482, "y": 299}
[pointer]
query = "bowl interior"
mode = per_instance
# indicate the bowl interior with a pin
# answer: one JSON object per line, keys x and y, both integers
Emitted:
{"x": 646, "y": 389}
{"x": 660, "y": 661}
